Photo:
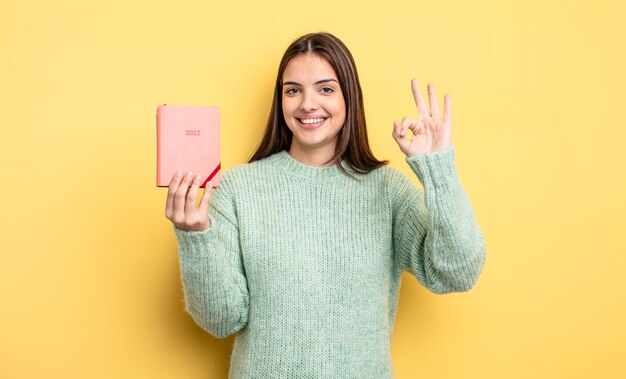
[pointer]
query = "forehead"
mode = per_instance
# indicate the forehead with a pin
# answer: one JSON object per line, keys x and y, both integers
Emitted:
{"x": 310, "y": 66}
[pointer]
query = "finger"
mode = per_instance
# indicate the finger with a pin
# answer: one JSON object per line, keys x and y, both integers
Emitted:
{"x": 192, "y": 195}
{"x": 404, "y": 125}
{"x": 396, "y": 129}
{"x": 421, "y": 129}
{"x": 402, "y": 143}
{"x": 432, "y": 99}
{"x": 447, "y": 109}
{"x": 206, "y": 196}
{"x": 431, "y": 126}
{"x": 180, "y": 197}
{"x": 419, "y": 100}
{"x": 169, "y": 204}
{"x": 407, "y": 123}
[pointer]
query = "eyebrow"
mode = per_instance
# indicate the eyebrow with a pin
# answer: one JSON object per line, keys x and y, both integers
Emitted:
{"x": 318, "y": 82}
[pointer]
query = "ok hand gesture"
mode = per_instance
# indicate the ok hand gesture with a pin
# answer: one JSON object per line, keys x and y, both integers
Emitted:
{"x": 430, "y": 133}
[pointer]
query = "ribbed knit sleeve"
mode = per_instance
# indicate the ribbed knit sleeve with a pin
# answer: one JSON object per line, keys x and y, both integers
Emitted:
{"x": 436, "y": 236}
{"x": 214, "y": 281}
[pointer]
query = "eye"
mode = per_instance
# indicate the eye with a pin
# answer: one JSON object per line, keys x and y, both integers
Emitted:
{"x": 291, "y": 91}
{"x": 328, "y": 89}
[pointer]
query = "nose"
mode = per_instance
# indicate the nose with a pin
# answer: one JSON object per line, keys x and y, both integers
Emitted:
{"x": 309, "y": 102}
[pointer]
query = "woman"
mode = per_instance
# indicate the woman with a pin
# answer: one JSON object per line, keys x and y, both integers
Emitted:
{"x": 300, "y": 251}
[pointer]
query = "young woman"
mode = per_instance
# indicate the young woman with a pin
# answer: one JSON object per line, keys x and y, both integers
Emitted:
{"x": 300, "y": 251}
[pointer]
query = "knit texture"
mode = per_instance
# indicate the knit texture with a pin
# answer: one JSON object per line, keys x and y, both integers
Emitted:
{"x": 304, "y": 263}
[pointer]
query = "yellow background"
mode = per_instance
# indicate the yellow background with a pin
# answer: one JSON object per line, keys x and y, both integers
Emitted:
{"x": 89, "y": 280}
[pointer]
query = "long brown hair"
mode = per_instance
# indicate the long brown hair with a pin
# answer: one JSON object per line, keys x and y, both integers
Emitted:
{"x": 352, "y": 143}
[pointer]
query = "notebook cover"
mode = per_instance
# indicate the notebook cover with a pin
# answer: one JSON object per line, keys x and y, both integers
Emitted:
{"x": 188, "y": 139}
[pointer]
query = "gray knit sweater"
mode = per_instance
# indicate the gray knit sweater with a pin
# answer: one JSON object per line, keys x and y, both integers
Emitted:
{"x": 304, "y": 263}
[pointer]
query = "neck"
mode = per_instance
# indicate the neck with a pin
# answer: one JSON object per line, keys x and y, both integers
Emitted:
{"x": 312, "y": 156}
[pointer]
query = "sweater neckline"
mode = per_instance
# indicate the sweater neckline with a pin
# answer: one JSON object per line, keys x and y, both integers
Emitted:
{"x": 293, "y": 167}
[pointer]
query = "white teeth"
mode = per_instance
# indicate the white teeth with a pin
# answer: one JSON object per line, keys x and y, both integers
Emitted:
{"x": 311, "y": 120}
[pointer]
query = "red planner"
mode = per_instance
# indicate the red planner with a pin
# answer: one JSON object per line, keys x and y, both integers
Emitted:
{"x": 188, "y": 139}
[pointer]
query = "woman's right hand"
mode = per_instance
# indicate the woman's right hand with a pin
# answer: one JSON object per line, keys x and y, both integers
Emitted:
{"x": 180, "y": 207}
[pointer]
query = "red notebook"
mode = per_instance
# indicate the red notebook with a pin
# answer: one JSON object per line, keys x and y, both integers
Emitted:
{"x": 188, "y": 139}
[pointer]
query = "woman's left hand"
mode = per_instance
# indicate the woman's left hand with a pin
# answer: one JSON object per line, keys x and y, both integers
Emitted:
{"x": 430, "y": 133}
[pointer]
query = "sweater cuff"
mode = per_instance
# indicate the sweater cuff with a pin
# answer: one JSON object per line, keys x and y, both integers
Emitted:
{"x": 193, "y": 244}
{"x": 435, "y": 170}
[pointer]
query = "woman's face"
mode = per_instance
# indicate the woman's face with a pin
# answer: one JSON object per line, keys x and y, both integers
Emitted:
{"x": 312, "y": 101}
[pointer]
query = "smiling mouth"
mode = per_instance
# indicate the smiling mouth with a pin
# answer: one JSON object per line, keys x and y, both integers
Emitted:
{"x": 311, "y": 122}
